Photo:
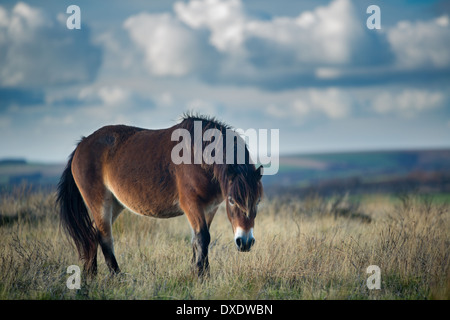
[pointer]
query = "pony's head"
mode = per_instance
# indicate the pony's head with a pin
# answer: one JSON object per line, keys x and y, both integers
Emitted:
{"x": 239, "y": 179}
{"x": 243, "y": 194}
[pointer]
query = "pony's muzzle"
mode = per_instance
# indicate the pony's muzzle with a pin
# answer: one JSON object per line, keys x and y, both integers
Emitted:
{"x": 244, "y": 239}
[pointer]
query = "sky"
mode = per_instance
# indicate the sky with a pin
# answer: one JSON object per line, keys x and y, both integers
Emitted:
{"x": 311, "y": 69}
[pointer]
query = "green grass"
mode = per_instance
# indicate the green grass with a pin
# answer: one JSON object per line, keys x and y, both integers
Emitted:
{"x": 315, "y": 248}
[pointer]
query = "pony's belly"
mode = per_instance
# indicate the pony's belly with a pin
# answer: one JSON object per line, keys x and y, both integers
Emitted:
{"x": 170, "y": 212}
{"x": 146, "y": 207}
{"x": 156, "y": 212}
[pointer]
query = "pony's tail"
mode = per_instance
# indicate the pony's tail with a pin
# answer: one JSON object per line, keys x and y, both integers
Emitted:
{"x": 75, "y": 218}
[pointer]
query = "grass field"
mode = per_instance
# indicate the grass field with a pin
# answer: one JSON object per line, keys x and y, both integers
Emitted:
{"x": 316, "y": 248}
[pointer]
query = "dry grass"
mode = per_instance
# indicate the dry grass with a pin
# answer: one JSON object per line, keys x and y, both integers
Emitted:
{"x": 306, "y": 249}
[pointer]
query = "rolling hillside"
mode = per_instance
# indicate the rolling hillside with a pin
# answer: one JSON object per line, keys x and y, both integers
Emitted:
{"x": 380, "y": 171}
{"x": 18, "y": 171}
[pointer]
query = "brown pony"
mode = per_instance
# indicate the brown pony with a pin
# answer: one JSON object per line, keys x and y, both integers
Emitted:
{"x": 121, "y": 167}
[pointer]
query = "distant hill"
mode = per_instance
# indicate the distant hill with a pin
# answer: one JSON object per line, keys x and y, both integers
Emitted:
{"x": 375, "y": 171}
{"x": 389, "y": 171}
{"x": 18, "y": 171}
{"x": 12, "y": 161}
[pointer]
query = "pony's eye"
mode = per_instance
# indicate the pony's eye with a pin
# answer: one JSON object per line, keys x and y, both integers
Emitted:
{"x": 231, "y": 201}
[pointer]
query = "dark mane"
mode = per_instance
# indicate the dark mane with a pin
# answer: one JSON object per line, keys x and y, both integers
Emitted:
{"x": 208, "y": 122}
{"x": 245, "y": 185}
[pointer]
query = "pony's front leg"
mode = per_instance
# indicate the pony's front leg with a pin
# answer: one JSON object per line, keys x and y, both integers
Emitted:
{"x": 200, "y": 233}
{"x": 200, "y": 244}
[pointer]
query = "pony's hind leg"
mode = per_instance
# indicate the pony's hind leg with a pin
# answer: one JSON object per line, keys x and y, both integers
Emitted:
{"x": 104, "y": 220}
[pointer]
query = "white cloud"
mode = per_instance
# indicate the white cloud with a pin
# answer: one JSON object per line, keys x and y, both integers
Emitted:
{"x": 324, "y": 35}
{"x": 408, "y": 102}
{"x": 170, "y": 48}
{"x": 225, "y": 20}
{"x": 421, "y": 43}
{"x": 327, "y": 34}
{"x": 37, "y": 50}
{"x": 306, "y": 105}
{"x": 23, "y": 18}
{"x": 118, "y": 98}
{"x": 217, "y": 41}
{"x": 247, "y": 49}
{"x": 327, "y": 73}
{"x": 333, "y": 103}
{"x": 113, "y": 95}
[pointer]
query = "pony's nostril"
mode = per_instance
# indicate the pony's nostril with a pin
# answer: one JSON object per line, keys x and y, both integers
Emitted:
{"x": 252, "y": 242}
{"x": 239, "y": 242}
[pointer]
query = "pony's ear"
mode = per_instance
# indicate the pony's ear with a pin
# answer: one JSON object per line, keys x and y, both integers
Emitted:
{"x": 259, "y": 172}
